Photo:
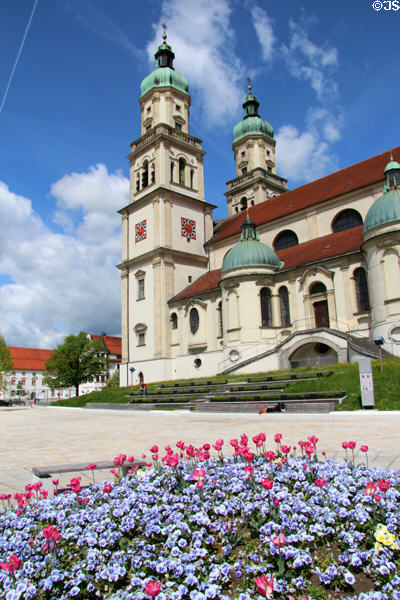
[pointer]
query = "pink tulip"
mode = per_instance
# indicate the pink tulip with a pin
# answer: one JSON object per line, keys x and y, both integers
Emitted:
{"x": 107, "y": 489}
{"x": 370, "y": 488}
{"x": 152, "y": 588}
{"x": 377, "y": 497}
{"x": 384, "y": 485}
{"x": 364, "y": 448}
{"x": 91, "y": 467}
{"x": 345, "y": 445}
{"x": 276, "y": 501}
{"x": 12, "y": 565}
{"x": 264, "y": 585}
{"x": 269, "y": 455}
{"x": 249, "y": 470}
{"x": 312, "y": 439}
{"x": 320, "y": 482}
{"x": 277, "y": 437}
{"x": 285, "y": 449}
{"x": 154, "y": 449}
{"x": 262, "y": 436}
{"x": 131, "y": 459}
{"x": 267, "y": 484}
{"x": 352, "y": 445}
{"x": 279, "y": 540}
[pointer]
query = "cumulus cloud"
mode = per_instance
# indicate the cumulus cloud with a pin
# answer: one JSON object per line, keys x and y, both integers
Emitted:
{"x": 306, "y": 155}
{"x": 264, "y": 30}
{"x": 310, "y": 62}
{"x": 203, "y": 41}
{"x": 63, "y": 282}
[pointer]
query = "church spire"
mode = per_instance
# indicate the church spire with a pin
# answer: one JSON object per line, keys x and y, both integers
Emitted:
{"x": 164, "y": 55}
{"x": 250, "y": 103}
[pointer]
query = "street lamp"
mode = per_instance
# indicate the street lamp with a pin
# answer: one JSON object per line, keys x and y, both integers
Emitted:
{"x": 132, "y": 370}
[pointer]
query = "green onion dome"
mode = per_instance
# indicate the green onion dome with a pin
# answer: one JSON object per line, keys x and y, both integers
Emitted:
{"x": 164, "y": 74}
{"x": 386, "y": 208}
{"x": 250, "y": 252}
{"x": 252, "y": 123}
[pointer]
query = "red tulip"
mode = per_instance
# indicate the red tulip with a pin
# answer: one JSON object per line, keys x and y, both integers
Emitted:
{"x": 154, "y": 449}
{"x": 364, "y": 448}
{"x": 107, "y": 488}
{"x": 269, "y": 455}
{"x": 370, "y": 488}
{"x": 13, "y": 564}
{"x": 152, "y": 588}
{"x": 383, "y": 485}
{"x": 278, "y": 437}
{"x": 285, "y": 449}
{"x": 279, "y": 540}
{"x": 320, "y": 482}
{"x": 267, "y": 484}
{"x": 91, "y": 467}
{"x": 352, "y": 445}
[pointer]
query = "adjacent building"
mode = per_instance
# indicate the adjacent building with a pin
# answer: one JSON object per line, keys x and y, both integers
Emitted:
{"x": 288, "y": 278}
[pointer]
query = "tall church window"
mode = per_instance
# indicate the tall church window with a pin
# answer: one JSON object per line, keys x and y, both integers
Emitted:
{"x": 145, "y": 174}
{"x": 153, "y": 174}
{"x": 191, "y": 178}
{"x": 182, "y": 165}
{"x": 284, "y": 306}
{"x": 347, "y": 219}
{"x": 140, "y": 295}
{"x": 137, "y": 182}
{"x": 174, "y": 321}
{"x": 220, "y": 321}
{"x": 360, "y": 280}
{"x": 194, "y": 320}
{"x": 285, "y": 239}
{"x": 266, "y": 307}
{"x": 172, "y": 171}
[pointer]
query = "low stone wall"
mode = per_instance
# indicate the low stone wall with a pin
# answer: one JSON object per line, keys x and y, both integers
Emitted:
{"x": 324, "y": 406}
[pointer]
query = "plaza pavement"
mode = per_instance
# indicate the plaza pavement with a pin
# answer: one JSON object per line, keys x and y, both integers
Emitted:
{"x": 42, "y": 436}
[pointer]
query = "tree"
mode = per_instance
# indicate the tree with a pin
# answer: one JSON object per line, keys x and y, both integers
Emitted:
{"x": 113, "y": 381}
{"x": 6, "y": 363}
{"x": 74, "y": 361}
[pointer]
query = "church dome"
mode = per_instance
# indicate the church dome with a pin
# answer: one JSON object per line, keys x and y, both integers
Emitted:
{"x": 164, "y": 74}
{"x": 252, "y": 123}
{"x": 386, "y": 208}
{"x": 250, "y": 252}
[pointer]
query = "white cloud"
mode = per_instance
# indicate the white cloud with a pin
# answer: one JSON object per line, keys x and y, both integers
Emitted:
{"x": 264, "y": 30}
{"x": 310, "y": 62}
{"x": 203, "y": 42}
{"x": 62, "y": 282}
{"x": 303, "y": 156}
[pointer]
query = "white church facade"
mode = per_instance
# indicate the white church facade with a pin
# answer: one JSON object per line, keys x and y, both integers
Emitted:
{"x": 288, "y": 278}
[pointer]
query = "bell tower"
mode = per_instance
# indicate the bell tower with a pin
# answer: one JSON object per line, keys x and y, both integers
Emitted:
{"x": 165, "y": 224}
{"x": 254, "y": 149}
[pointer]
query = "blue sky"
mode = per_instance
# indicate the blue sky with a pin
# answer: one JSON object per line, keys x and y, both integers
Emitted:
{"x": 325, "y": 73}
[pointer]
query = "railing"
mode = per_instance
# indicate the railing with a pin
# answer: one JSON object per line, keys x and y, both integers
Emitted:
{"x": 164, "y": 128}
{"x": 256, "y": 173}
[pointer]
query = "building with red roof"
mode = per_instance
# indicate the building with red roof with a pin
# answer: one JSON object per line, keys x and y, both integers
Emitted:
{"x": 29, "y": 364}
{"x": 308, "y": 276}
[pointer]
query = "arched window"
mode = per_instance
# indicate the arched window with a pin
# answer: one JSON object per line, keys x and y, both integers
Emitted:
{"x": 362, "y": 296}
{"x": 137, "y": 182}
{"x": 153, "y": 174}
{"x": 145, "y": 174}
{"x": 317, "y": 288}
{"x": 284, "y": 306}
{"x": 266, "y": 307}
{"x": 220, "y": 321}
{"x": 172, "y": 171}
{"x": 347, "y": 219}
{"x": 194, "y": 320}
{"x": 285, "y": 239}
{"x": 191, "y": 178}
{"x": 182, "y": 165}
{"x": 243, "y": 203}
{"x": 174, "y": 321}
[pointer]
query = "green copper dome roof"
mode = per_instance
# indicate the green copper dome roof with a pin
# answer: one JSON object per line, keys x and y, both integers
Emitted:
{"x": 252, "y": 126}
{"x": 164, "y": 74}
{"x": 387, "y": 207}
{"x": 252, "y": 123}
{"x": 384, "y": 210}
{"x": 250, "y": 252}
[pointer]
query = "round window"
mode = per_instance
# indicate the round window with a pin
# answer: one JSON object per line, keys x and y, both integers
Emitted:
{"x": 395, "y": 334}
{"x": 234, "y": 355}
{"x": 197, "y": 363}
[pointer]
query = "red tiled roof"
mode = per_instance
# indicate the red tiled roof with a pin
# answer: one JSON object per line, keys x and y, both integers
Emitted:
{"x": 112, "y": 343}
{"x": 342, "y": 182}
{"x": 328, "y": 246}
{"x": 206, "y": 283}
{"x": 29, "y": 359}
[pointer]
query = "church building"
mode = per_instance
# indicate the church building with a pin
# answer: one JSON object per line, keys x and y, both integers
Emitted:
{"x": 289, "y": 278}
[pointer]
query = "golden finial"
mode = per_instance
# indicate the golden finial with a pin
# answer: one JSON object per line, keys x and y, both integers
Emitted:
{"x": 164, "y": 35}
{"x": 249, "y": 84}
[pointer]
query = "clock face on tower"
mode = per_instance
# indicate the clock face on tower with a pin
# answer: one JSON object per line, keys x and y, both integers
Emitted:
{"x": 188, "y": 228}
{"x": 140, "y": 231}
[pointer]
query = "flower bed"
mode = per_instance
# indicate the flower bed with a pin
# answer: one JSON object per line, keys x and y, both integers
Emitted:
{"x": 262, "y": 524}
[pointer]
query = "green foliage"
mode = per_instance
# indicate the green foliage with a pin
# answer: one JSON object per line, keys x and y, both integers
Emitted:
{"x": 6, "y": 362}
{"x": 113, "y": 381}
{"x": 74, "y": 361}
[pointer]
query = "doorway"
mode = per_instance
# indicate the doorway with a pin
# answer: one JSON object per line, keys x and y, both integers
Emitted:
{"x": 321, "y": 313}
